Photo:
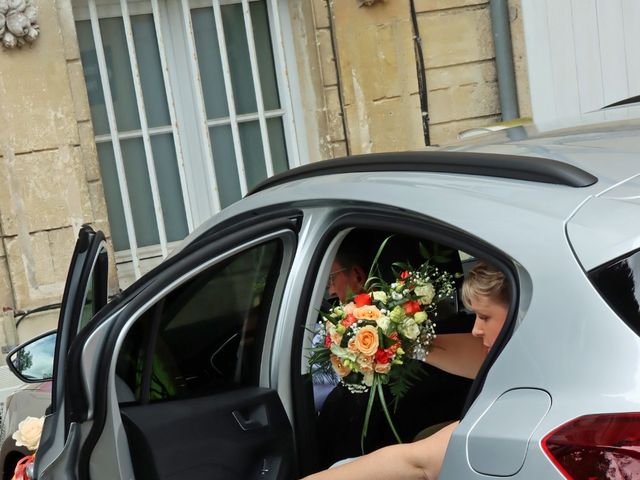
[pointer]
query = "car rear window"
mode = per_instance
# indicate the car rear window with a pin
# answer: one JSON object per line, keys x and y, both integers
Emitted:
{"x": 619, "y": 284}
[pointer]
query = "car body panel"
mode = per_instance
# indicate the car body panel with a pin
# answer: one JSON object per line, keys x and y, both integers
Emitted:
{"x": 560, "y": 358}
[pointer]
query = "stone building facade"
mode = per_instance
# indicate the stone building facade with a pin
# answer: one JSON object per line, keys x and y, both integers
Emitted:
{"x": 356, "y": 90}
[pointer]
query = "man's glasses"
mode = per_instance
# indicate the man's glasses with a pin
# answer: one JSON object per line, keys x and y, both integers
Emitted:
{"x": 332, "y": 276}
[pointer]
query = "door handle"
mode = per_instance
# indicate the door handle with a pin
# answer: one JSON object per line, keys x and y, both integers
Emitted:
{"x": 256, "y": 418}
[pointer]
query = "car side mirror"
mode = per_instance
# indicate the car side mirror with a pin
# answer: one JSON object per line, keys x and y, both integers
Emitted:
{"x": 32, "y": 361}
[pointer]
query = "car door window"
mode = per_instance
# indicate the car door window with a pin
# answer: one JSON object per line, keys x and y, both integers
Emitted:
{"x": 205, "y": 336}
{"x": 95, "y": 295}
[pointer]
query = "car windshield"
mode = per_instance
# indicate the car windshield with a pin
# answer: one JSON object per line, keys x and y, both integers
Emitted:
{"x": 619, "y": 284}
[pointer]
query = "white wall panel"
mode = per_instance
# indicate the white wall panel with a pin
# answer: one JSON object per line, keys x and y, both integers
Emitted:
{"x": 582, "y": 55}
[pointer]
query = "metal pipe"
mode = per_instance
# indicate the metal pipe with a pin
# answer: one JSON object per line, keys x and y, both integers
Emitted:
{"x": 422, "y": 74}
{"x": 499, "y": 11}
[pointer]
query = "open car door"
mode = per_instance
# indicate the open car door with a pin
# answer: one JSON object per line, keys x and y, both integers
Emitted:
{"x": 85, "y": 293}
{"x": 177, "y": 377}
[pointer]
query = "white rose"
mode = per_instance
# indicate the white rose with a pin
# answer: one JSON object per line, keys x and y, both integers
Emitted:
{"x": 409, "y": 329}
{"x": 367, "y": 379}
{"x": 383, "y": 322}
{"x": 380, "y": 297}
{"x": 342, "y": 353}
{"x": 28, "y": 433}
{"x": 426, "y": 293}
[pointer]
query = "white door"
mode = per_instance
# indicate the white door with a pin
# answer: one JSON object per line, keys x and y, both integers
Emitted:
{"x": 582, "y": 55}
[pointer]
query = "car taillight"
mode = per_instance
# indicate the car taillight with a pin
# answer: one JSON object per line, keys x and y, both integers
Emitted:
{"x": 594, "y": 447}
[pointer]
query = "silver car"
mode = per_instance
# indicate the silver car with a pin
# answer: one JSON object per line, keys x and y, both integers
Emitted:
{"x": 199, "y": 369}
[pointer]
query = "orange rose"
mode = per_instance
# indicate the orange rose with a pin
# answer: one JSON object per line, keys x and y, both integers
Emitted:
{"x": 367, "y": 340}
{"x": 368, "y": 312}
{"x": 352, "y": 344}
{"x": 382, "y": 367}
{"x": 339, "y": 367}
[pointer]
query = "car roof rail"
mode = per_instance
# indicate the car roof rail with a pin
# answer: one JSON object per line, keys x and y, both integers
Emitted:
{"x": 516, "y": 167}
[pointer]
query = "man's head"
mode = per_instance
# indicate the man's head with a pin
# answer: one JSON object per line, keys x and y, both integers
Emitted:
{"x": 347, "y": 275}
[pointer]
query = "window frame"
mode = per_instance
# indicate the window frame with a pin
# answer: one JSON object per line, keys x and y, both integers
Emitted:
{"x": 148, "y": 347}
{"x": 193, "y": 147}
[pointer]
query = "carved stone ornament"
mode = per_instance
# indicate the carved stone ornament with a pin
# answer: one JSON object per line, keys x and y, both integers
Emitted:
{"x": 18, "y": 23}
{"x": 367, "y": 3}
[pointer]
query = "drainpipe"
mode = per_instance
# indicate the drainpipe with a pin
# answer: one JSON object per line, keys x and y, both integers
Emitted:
{"x": 499, "y": 10}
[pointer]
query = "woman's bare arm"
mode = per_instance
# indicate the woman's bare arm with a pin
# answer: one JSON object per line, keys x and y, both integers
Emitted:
{"x": 458, "y": 353}
{"x": 419, "y": 460}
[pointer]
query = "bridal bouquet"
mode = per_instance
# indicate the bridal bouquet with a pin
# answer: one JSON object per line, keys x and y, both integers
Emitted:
{"x": 366, "y": 340}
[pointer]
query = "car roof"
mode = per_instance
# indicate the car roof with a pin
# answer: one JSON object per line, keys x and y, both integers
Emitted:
{"x": 608, "y": 150}
{"x": 583, "y": 163}
{"x": 578, "y": 156}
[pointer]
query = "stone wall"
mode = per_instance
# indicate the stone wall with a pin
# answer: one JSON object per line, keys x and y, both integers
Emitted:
{"x": 373, "y": 82}
{"x": 49, "y": 177}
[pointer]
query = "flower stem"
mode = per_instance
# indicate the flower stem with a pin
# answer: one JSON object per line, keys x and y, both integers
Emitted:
{"x": 367, "y": 414}
{"x": 386, "y": 411}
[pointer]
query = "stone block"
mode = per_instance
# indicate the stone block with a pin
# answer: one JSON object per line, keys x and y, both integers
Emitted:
{"x": 68, "y": 29}
{"x": 321, "y": 13}
{"x": 27, "y": 256}
{"x": 61, "y": 244}
{"x": 456, "y": 36}
{"x": 37, "y": 324}
{"x": 37, "y": 108}
{"x": 380, "y": 13}
{"x": 432, "y": 5}
{"x": 327, "y": 61}
{"x": 88, "y": 151}
{"x": 464, "y": 101}
{"x": 98, "y": 204}
{"x": 6, "y": 291}
{"x": 79, "y": 91}
{"x": 334, "y": 114}
{"x": 43, "y": 191}
{"x": 388, "y": 125}
{"x": 446, "y": 133}
{"x": 339, "y": 149}
{"x": 465, "y": 74}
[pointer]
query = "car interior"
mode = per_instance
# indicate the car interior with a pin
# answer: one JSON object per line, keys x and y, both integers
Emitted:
{"x": 435, "y": 398}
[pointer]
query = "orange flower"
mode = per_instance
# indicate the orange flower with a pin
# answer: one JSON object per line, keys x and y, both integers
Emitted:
{"x": 382, "y": 367}
{"x": 365, "y": 364}
{"x": 339, "y": 367}
{"x": 368, "y": 312}
{"x": 367, "y": 340}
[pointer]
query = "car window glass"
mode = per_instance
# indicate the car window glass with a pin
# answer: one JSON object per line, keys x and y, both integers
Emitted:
{"x": 619, "y": 284}
{"x": 206, "y": 335}
{"x": 91, "y": 301}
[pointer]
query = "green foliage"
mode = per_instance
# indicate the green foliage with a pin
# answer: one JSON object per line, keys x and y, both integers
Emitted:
{"x": 402, "y": 379}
